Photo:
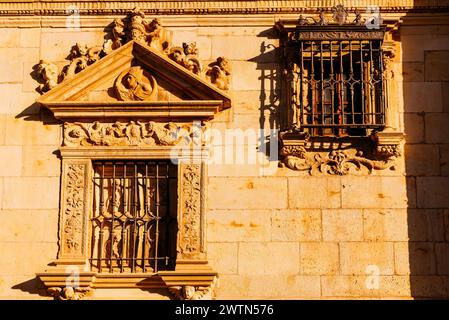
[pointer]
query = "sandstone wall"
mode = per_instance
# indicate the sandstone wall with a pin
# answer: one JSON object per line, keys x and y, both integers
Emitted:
{"x": 270, "y": 233}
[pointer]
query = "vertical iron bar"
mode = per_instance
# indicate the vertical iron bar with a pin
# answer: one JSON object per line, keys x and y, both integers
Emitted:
{"x": 135, "y": 248}
{"x": 351, "y": 77}
{"x": 157, "y": 218}
{"x": 167, "y": 215}
{"x": 301, "y": 85}
{"x": 382, "y": 88}
{"x": 323, "y": 113}
{"x": 342, "y": 107}
{"x": 362, "y": 82}
{"x": 312, "y": 83}
{"x": 111, "y": 236}
{"x": 331, "y": 77}
{"x": 100, "y": 249}
{"x": 371, "y": 77}
{"x": 145, "y": 215}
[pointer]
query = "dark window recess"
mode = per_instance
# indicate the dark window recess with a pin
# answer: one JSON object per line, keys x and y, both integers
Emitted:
{"x": 338, "y": 87}
{"x": 134, "y": 225}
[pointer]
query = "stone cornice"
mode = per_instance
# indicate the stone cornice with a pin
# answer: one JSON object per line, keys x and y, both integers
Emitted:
{"x": 201, "y": 7}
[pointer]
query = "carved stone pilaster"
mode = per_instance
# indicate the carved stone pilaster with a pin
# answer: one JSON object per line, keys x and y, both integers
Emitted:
{"x": 74, "y": 210}
{"x": 191, "y": 215}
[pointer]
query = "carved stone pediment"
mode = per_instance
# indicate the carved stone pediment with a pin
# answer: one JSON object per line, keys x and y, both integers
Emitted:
{"x": 134, "y": 81}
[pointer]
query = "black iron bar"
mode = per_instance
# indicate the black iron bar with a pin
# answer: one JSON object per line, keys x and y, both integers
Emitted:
{"x": 157, "y": 220}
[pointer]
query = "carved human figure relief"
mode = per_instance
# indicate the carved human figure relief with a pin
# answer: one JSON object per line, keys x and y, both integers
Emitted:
{"x": 134, "y": 27}
{"x": 48, "y": 75}
{"x": 158, "y": 37}
{"x": 219, "y": 73}
{"x": 133, "y": 133}
{"x": 133, "y": 85}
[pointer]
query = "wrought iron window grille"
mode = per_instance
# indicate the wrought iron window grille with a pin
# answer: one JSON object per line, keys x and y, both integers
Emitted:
{"x": 134, "y": 224}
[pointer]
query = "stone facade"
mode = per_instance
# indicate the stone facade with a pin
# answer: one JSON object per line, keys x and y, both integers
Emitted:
{"x": 270, "y": 232}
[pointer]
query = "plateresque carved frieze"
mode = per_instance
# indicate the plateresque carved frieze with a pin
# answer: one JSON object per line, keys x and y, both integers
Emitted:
{"x": 136, "y": 28}
{"x": 133, "y": 133}
{"x": 73, "y": 208}
{"x": 191, "y": 210}
{"x": 339, "y": 162}
{"x": 132, "y": 85}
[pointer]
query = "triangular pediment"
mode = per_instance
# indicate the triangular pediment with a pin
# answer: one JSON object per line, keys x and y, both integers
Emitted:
{"x": 135, "y": 81}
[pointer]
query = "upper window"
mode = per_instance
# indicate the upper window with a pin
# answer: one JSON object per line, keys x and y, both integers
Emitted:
{"x": 338, "y": 87}
{"x": 335, "y": 84}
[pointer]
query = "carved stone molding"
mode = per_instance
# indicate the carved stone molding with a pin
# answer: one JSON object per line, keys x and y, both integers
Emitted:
{"x": 175, "y": 7}
{"x": 134, "y": 27}
{"x": 337, "y": 162}
{"x": 340, "y": 35}
{"x": 132, "y": 133}
{"x": 382, "y": 154}
{"x": 74, "y": 209}
{"x": 191, "y": 215}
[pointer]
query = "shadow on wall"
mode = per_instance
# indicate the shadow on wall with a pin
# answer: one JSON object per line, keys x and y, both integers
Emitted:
{"x": 42, "y": 116}
{"x": 270, "y": 99}
{"x": 425, "y": 67}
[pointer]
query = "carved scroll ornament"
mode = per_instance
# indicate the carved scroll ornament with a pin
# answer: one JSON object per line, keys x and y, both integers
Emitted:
{"x": 339, "y": 162}
{"x": 133, "y": 133}
{"x": 191, "y": 211}
{"x": 73, "y": 209}
{"x": 135, "y": 28}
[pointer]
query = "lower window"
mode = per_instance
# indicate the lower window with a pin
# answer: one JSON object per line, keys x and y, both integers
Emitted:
{"x": 134, "y": 217}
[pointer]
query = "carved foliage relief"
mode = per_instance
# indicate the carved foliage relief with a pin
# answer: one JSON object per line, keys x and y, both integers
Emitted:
{"x": 340, "y": 162}
{"x": 73, "y": 209}
{"x": 190, "y": 233}
{"x": 132, "y": 133}
{"x": 135, "y": 27}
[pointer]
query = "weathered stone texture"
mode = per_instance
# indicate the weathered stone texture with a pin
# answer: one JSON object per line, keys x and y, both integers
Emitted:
{"x": 422, "y": 97}
{"x": 422, "y": 160}
{"x": 374, "y": 192}
{"x": 342, "y": 225}
{"x": 236, "y": 226}
{"x": 414, "y": 127}
{"x": 432, "y": 192}
{"x": 437, "y": 65}
{"x": 319, "y": 258}
{"x": 31, "y": 193}
{"x": 248, "y": 193}
{"x": 356, "y": 286}
{"x": 223, "y": 256}
{"x": 314, "y": 192}
{"x": 268, "y": 258}
{"x": 437, "y": 130}
{"x": 385, "y": 224}
{"x": 356, "y": 257}
{"x": 296, "y": 225}
{"x": 11, "y": 161}
{"x": 269, "y": 286}
{"x": 283, "y": 235}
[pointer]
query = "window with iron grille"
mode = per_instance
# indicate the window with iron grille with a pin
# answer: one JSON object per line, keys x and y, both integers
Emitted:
{"x": 336, "y": 82}
{"x": 134, "y": 221}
